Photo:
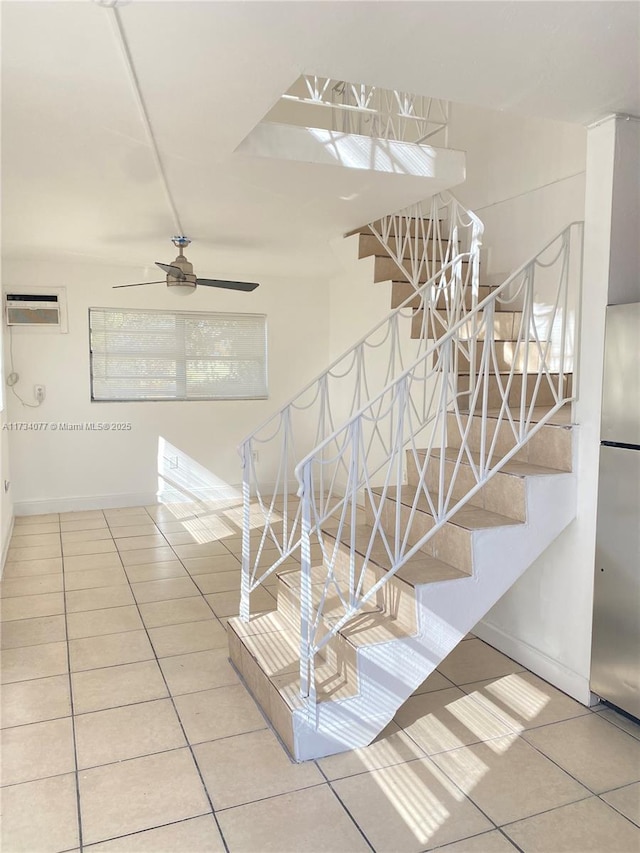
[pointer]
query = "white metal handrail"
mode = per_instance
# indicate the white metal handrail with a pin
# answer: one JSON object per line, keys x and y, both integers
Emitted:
{"x": 438, "y": 253}
{"x": 371, "y": 111}
{"x": 513, "y": 381}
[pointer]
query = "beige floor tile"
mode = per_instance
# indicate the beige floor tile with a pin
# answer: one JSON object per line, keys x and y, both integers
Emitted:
{"x": 94, "y": 623}
{"x": 391, "y": 747}
{"x": 219, "y": 582}
{"x": 92, "y": 562}
{"x": 94, "y": 578}
{"x": 71, "y": 536}
{"x": 589, "y": 826}
{"x": 169, "y": 524}
{"x": 207, "y": 549}
{"x": 409, "y": 807}
{"x": 43, "y": 518}
{"x": 32, "y": 632}
{"x": 135, "y": 543}
{"x": 181, "y": 537}
{"x": 29, "y": 568}
{"x": 198, "y": 671}
{"x": 208, "y": 565}
{"x": 36, "y": 585}
{"x": 163, "y": 590}
{"x": 82, "y": 515}
{"x": 32, "y": 606}
{"x": 487, "y": 773}
{"x": 218, "y": 713}
{"x": 109, "y": 650}
{"x": 148, "y": 528}
{"x": 488, "y": 842}
{"x": 595, "y": 752}
{"x": 92, "y": 546}
{"x": 83, "y": 524}
{"x": 124, "y": 516}
{"x": 156, "y": 571}
{"x": 147, "y": 555}
{"x": 436, "y": 681}
{"x": 20, "y": 540}
{"x": 288, "y": 823}
{"x": 474, "y": 660}
{"x": 100, "y": 598}
{"x": 250, "y": 767}
{"x": 29, "y": 528}
{"x": 104, "y": 737}
{"x": 37, "y": 751}
{"x": 228, "y": 603}
{"x": 626, "y": 801}
{"x": 188, "y": 637}
{"x": 40, "y": 816}
{"x": 28, "y": 662}
{"x": 524, "y": 701}
{"x": 34, "y": 552}
{"x": 140, "y": 794}
{"x": 627, "y": 725}
{"x": 34, "y": 701}
{"x": 195, "y": 835}
{"x": 175, "y": 612}
{"x": 98, "y": 689}
{"x": 447, "y": 719}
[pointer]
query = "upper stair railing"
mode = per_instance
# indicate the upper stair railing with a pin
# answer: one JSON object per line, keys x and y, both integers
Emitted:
{"x": 504, "y": 368}
{"x": 358, "y": 108}
{"x": 437, "y": 249}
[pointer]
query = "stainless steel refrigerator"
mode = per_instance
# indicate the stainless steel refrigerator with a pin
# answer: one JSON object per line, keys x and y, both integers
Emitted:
{"x": 615, "y": 659}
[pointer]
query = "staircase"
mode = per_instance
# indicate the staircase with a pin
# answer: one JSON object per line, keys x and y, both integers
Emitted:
{"x": 429, "y": 499}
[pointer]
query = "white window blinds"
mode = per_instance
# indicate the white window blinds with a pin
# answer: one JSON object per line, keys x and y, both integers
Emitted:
{"x": 177, "y": 355}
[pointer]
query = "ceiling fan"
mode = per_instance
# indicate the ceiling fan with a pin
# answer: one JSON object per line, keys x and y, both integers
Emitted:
{"x": 181, "y": 278}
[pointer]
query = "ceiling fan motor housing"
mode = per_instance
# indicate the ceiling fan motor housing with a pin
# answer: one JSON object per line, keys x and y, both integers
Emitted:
{"x": 184, "y": 285}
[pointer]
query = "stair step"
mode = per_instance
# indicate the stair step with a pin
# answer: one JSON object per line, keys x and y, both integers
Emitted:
{"x": 506, "y": 326}
{"x": 544, "y": 393}
{"x": 508, "y": 354}
{"x": 419, "y": 569}
{"x": 385, "y": 269}
{"x": 453, "y": 542}
{"x": 551, "y": 447}
{"x": 268, "y": 658}
{"x": 370, "y": 245}
{"x": 402, "y": 290}
{"x": 504, "y": 493}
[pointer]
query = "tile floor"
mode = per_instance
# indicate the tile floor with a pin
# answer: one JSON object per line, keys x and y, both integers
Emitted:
{"x": 124, "y": 728}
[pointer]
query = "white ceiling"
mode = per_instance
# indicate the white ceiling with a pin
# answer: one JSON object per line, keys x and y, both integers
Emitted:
{"x": 79, "y": 178}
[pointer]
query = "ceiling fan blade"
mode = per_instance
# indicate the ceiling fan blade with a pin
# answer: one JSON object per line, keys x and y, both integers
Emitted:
{"x": 246, "y": 286}
{"x": 176, "y": 272}
{"x": 139, "y": 284}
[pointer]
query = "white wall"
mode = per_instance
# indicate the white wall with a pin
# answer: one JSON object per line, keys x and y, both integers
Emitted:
{"x": 525, "y": 180}
{"x": 66, "y": 470}
{"x": 545, "y": 620}
{"x": 6, "y": 495}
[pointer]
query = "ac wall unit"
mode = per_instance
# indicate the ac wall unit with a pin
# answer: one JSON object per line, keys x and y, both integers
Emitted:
{"x": 32, "y": 309}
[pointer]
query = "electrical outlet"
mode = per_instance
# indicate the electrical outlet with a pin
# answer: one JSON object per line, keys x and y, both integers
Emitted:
{"x": 39, "y": 392}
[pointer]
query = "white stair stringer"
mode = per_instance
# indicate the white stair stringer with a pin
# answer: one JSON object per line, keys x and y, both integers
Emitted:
{"x": 389, "y": 672}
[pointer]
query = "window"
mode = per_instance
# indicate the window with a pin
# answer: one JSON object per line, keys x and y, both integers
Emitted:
{"x": 177, "y": 355}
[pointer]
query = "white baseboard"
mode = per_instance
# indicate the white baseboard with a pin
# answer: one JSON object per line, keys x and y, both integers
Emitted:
{"x": 5, "y": 546}
{"x": 565, "y": 679}
{"x": 87, "y": 502}
{"x": 78, "y": 504}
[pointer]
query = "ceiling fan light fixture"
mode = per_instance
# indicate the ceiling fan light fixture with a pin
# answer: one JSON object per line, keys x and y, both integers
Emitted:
{"x": 181, "y": 288}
